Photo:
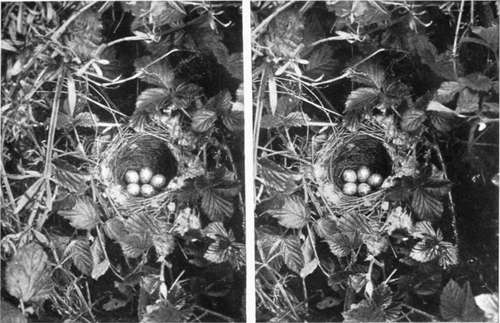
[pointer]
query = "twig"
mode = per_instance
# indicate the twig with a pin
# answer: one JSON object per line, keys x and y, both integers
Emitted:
{"x": 222, "y": 316}
{"x": 416, "y": 310}
{"x": 268, "y": 19}
{"x": 455, "y": 40}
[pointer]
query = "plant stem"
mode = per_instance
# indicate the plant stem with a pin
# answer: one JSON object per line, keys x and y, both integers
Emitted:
{"x": 455, "y": 40}
{"x": 416, "y": 310}
{"x": 257, "y": 30}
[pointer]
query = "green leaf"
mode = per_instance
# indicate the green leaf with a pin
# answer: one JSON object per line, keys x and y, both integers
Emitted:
{"x": 84, "y": 215}
{"x": 235, "y": 65}
{"x": 79, "y": 252}
{"x": 468, "y": 102}
{"x": 215, "y": 205}
{"x": 296, "y": 119}
{"x": 362, "y": 99}
{"x": 165, "y": 12}
{"x": 135, "y": 245}
{"x": 69, "y": 177}
{"x": 276, "y": 176}
{"x": 340, "y": 244}
{"x": 151, "y": 99}
{"x": 321, "y": 62}
{"x": 457, "y": 304}
{"x": 447, "y": 91}
{"x": 292, "y": 253}
{"x": 372, "y": 75}
{"x": 294, "y": 213}
{"x": 375, "y": 242}
{"x": 220, "y": 102}
{"x": 27, "y": 274}
{"x": 203, "y": 120}
{"x": 162, "y": 312}
{"x": 398, "y": 219}
{"x": 86, "y": 120}
{"x": 160, "y": 73}
{"x": 425, "y": 250}
{"x": 325, "y": 227}
{"x": 476, "y": 82}
{"x": 233, "y": 120}
{"x": 363, "y": 312}
{"x": 10, "y": 313}
{"x": 426, "y": 205}
{"x": 448, "y": 254}
{"x": 489, "y": 35}
{"x": 413, "y": 120}
{"x": 100, "y": 263}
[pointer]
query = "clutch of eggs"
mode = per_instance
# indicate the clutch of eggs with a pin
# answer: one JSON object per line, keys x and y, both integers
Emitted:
{"x": 144, "y": 182}
{"x": 361, "y": 181}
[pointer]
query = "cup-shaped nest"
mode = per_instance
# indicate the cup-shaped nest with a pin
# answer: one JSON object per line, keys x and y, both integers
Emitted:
{"x": 144, "y": 151}
{"x": 343, "y": 150}
{"x": 358, "y": 151}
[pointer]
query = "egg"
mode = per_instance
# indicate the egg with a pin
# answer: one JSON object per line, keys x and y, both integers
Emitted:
{"x": 158, "y": 181}
{"x": 375, "y": 180}
{"x": 349, "y": 189}
{"x": 145, "y": 175}
{"x": 131, "y": 176}
{"x": 133, "y": 189}
{"x": 349, "y": 176}
{"x": 147, "y": 190}
{"x": 364, "y": 189}
{"x": 363, "y": 174}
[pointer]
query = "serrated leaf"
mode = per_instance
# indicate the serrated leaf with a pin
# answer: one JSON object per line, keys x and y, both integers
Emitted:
{"x": 362, "y": 99}
{"x": 398, "y": 219}
{"x": 325, "y": 227}
{"x": 84, "y": 215}
{"x": 442, "y": 122}
{"x": 164, "y": 243}
{"x": 151, "y": 99}
{"x": 489, "y": 35}
{"x": 363, "y": 312}
{"x": 447, "y": 91}
{"x": 27, "y": 274}
{"x": 382, "y": 296}
{"x": 135, "y": 245}
{"x": 69, "y": 177}
{"x": 159, "y": 74}
{"x": 275, "y": 176}
{"x": 187, "y": 219}
{"x": 352, "y": 223}
{"x": 372, "y": 75}
{"x": 115, "y": 229}
{"x": 375, "y": 243}
{"x": 215, "y": 205}
{"x": 476, "y": 82}
{"x": 425, "y": 205}
{"x": 233, "y": 120}
{"x": 468, "y": 102}
{"x": 86, "y": 120}
{"x": 203, "y": 120}
{"x": 340, "y": 244}
{"x": 448, "y": 254}
{"x": 162, "y": 312}
{"x": 413, "y": 120}
{"x": 321, "y": 62}
{"x": 235, "y": 65}
{"x": 79, "y": 252}
{"x": 165, "y": 12}
{"x": 425, "y": 250}
{"x": 292, "y": 254}
{"x": 220, "y": 102}
{"x": 296, "y": 119}
{"x": 457, "y": 304}
{"x": 293, "y": 214}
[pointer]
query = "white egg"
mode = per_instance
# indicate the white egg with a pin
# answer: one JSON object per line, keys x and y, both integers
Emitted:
{"x": 363, "y": 174}
{"x": 147, "y": 190}
{"x": 131, "y": 176}
{"x": 133, "y": 189}
{"x": 145, "y": 175}
{"x": 364, "y": 189}
{"x": 375, "y": 180}
{"x": 349, "y": 189}
{"x": 349, "y": 175}
{"x": 158, "y": 181}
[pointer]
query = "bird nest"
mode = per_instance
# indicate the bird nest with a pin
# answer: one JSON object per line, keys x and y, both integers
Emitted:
{"x": 343, "y": 149}
{"x": 154, "y": 148}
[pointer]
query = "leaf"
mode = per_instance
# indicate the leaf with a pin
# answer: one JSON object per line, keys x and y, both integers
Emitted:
{"x": 372, "y": 75}
{"x": 447, "y": 91}
{"x": 476, "y": 82}
{"x": 398, "y": 219}
{"x": 425, "y": 205}
{"x": 457, "y": 304}
{"x": 151, "y": 99}
{"x": 413, "y": 120}
{"x": 220, "y": 102}
{"x": 160, "y": 73}
{"x": 276, "y": 176}
{"x": 293, "y": 214}
{"x": 438, "y": 107}
{"x": 27, "y": 274}
{"x": 311, "y": 262}
{"x": 203, "y": 120}
{"x": 375, "y": 242}
{"x": 468, "y": 102}
{"x": 328, "y": 302}
{"x": 325, "y": 227}
{"x": 340, "y": 244}
{"x": 425, "y": 250}
{"x": 442, "y": 122}
{"x": 135, "y": 245}
{"x": 235, "y": 65}
{"x": 162, "y": 312}
{"x": 489, "y": 35}
{"x": 79, "y": 252}
{"x": 164, "y": 12}
{"x": 448, "y": 254}
{"x": 164, "y": 243}
{"x": 71, "y": 95}
{"x": 115, "y": 229}
{"x": 100, "y": 263}
{"x": 362, "y": 99}
{"x": 292, "y": 254}
{"x": 187, "y": 219}
{"x": 69, "y": 177}
{"x": 352, "y": 223}
{"x": 321, "y": 63}
{"x": 113, "y": 304}
{"x": 296, "y": 119}
{"x": 10, "y": 313}
{"x": 215, "y": 205}
{"x": 85, "y": 120}
{"x": 363, "y": 312}
{"x": 84, "y": 215}
{"x": 233, "y": 120}
{"x": 488, "y": 303}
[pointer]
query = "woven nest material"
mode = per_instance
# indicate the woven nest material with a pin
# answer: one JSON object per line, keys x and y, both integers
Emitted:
{"x": 349, "y": 150}
{"x": 132, "y": 150}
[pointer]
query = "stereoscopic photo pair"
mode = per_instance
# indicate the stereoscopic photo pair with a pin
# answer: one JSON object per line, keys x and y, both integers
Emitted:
{"x": 269, "y": 161}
